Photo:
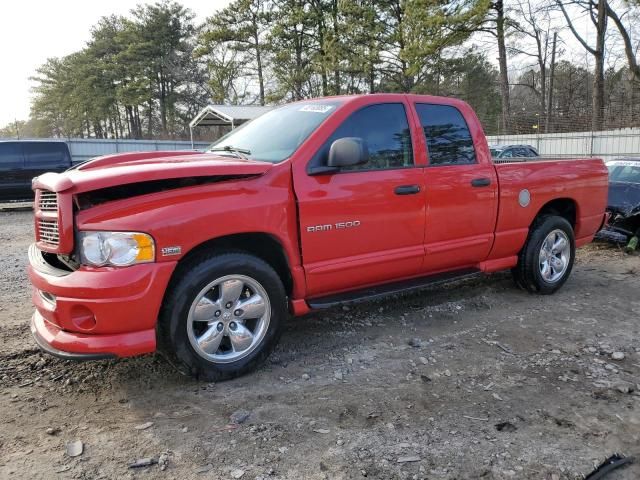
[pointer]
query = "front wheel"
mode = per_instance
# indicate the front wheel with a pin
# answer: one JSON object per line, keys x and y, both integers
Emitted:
{"x": 546, "y": 260}
{"x": 222, "y": 316}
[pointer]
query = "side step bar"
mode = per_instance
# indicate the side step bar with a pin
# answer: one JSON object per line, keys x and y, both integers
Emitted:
{"x": 402, "y": 286}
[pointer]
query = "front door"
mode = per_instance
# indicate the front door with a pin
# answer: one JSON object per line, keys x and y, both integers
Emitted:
{"x": 461, "y": 191}
{"x": 365, "y": 224}
{"x": 13, "y": 181}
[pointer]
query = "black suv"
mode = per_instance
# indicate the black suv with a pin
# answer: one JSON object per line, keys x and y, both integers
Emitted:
{"x": 21, "y": 160}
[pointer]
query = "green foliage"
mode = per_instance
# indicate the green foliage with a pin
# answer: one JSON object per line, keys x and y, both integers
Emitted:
{"x": 148, "y": 74}
{"x": 232, "y": 44}
{"x": 26, "y": 129}
{"x": 133, "y": 79}
{"x": 419, "y": 32}
{"x": 460, "y": 77}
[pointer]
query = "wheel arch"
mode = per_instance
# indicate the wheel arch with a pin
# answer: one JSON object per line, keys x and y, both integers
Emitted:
{"x": 565, "y": 207}
{"x": 262, "y": 245}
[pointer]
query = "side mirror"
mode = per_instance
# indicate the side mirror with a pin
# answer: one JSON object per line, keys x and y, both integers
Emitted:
{"x": 344, "y": 152}
{"x": 347, "y": 152}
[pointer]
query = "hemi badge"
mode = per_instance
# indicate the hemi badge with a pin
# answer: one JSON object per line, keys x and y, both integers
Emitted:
{"x": 168, "y": 251}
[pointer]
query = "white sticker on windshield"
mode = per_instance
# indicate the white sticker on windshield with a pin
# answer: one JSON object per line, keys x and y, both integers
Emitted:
{"x": 316, "y": 108}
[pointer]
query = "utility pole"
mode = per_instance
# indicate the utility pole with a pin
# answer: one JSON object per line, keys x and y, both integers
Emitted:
{"x": 502, "y": 60}
{"x": 15, "y": 122}
{"x": 537, "y": 127}
{"x": 552, "y": 69}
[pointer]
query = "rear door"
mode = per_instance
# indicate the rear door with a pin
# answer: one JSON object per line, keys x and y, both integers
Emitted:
{"x": 364, "y": 224}
{"x": 12, "y": 176}
{"x": 41, "y": 157}
{"x": 461, "y": 190}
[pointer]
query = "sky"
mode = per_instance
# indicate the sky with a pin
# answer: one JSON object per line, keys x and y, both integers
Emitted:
{"x": 33, "y": 30}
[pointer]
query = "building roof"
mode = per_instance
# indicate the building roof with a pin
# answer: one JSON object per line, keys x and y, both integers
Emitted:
{"x": 225, "y": 115}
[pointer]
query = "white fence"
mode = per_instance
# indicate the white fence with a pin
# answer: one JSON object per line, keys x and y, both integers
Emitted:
{"x": 607, "y": 145}
{"x": 85, "y": 148}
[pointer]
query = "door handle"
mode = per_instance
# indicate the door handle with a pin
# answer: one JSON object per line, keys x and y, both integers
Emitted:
{"x": 480, "y": 182}
{"x": 407, "y": 190}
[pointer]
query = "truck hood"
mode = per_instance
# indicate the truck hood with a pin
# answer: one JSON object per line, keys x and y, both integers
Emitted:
{"x": 139, "y": 167}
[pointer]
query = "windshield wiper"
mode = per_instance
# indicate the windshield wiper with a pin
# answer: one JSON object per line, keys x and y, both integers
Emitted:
{"x": 240, "y": 152}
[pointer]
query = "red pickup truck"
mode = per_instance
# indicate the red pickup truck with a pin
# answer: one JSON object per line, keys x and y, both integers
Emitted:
{"x": 201, "y": 256}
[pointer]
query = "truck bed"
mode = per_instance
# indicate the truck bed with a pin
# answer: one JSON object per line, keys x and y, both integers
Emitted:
{"x": 581, "y": 181}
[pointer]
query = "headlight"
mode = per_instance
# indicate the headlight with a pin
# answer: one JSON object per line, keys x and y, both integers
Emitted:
{"x": 118, "y": 249}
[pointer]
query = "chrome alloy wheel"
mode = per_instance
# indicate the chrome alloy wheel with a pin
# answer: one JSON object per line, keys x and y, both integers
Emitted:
{"x": 555, "y": 255}
{"x": 228, "y": 318}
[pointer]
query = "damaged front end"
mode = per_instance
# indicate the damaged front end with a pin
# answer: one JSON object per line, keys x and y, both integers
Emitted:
{"x": 93, "y": 198}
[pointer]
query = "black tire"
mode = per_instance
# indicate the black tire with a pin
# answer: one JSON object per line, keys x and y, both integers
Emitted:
{"x": 527, "y": 274}
{"x": 190, "y": 278}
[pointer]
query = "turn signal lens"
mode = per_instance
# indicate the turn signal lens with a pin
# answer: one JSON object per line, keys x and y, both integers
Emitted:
{"x": 146, "y": 248}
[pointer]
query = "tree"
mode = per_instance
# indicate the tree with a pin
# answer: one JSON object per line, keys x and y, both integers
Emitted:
{"x": 160, "y": 48}
{"x": 13, "y": 129}
{"x": 134, "y": 73}
{"x": 418, "y": 31}
{"x": 31, "y": 128}
{"x": 571, "y": 94}
{"x": 534, "y": 25}
{"x": 226, "y": 77}
{"x": 459, "y": 77}
{"x": 362, "y": 34}
{"x": 498, "y": 6}
{"x": 58, "y": 96}
{"x": 292, "y": 43}
{"x": 108, "y": 41}
{"x": 629, "y": 48}
{"x": 147, "y": 74}
{"x": 242, "y": 28}
{"x": 597, "y": 13}
{"x": 496, "y": 24}
{"x": 549, "y": 118}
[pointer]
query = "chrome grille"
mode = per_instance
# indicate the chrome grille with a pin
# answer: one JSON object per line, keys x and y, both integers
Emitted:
{"x": 48, "y": 201}
{"x": 49, "y": 231}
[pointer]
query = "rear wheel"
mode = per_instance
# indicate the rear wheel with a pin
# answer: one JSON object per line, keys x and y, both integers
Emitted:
{"x": 546, "y": 260}
{"x": 222, "y": 316}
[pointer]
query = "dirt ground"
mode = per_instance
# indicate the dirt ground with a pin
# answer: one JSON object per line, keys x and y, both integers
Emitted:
{"x": 474, "y": 380}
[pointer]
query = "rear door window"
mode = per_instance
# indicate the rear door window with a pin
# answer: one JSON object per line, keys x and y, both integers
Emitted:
{"x": 45, "y": 155}
{"x": 10, "y": 156}
{"x": 449, "y": 140}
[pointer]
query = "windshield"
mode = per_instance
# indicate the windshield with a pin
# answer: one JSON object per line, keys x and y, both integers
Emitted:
{"x": 624, "y": 172}
{"x": 274, "y": 136}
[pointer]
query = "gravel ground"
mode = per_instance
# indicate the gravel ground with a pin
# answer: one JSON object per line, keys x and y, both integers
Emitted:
{"x": 475, "y": 380}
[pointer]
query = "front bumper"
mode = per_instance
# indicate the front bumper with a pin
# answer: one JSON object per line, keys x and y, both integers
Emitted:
{"x": 46, "y": 336}
{"x": 96, "y": 312}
